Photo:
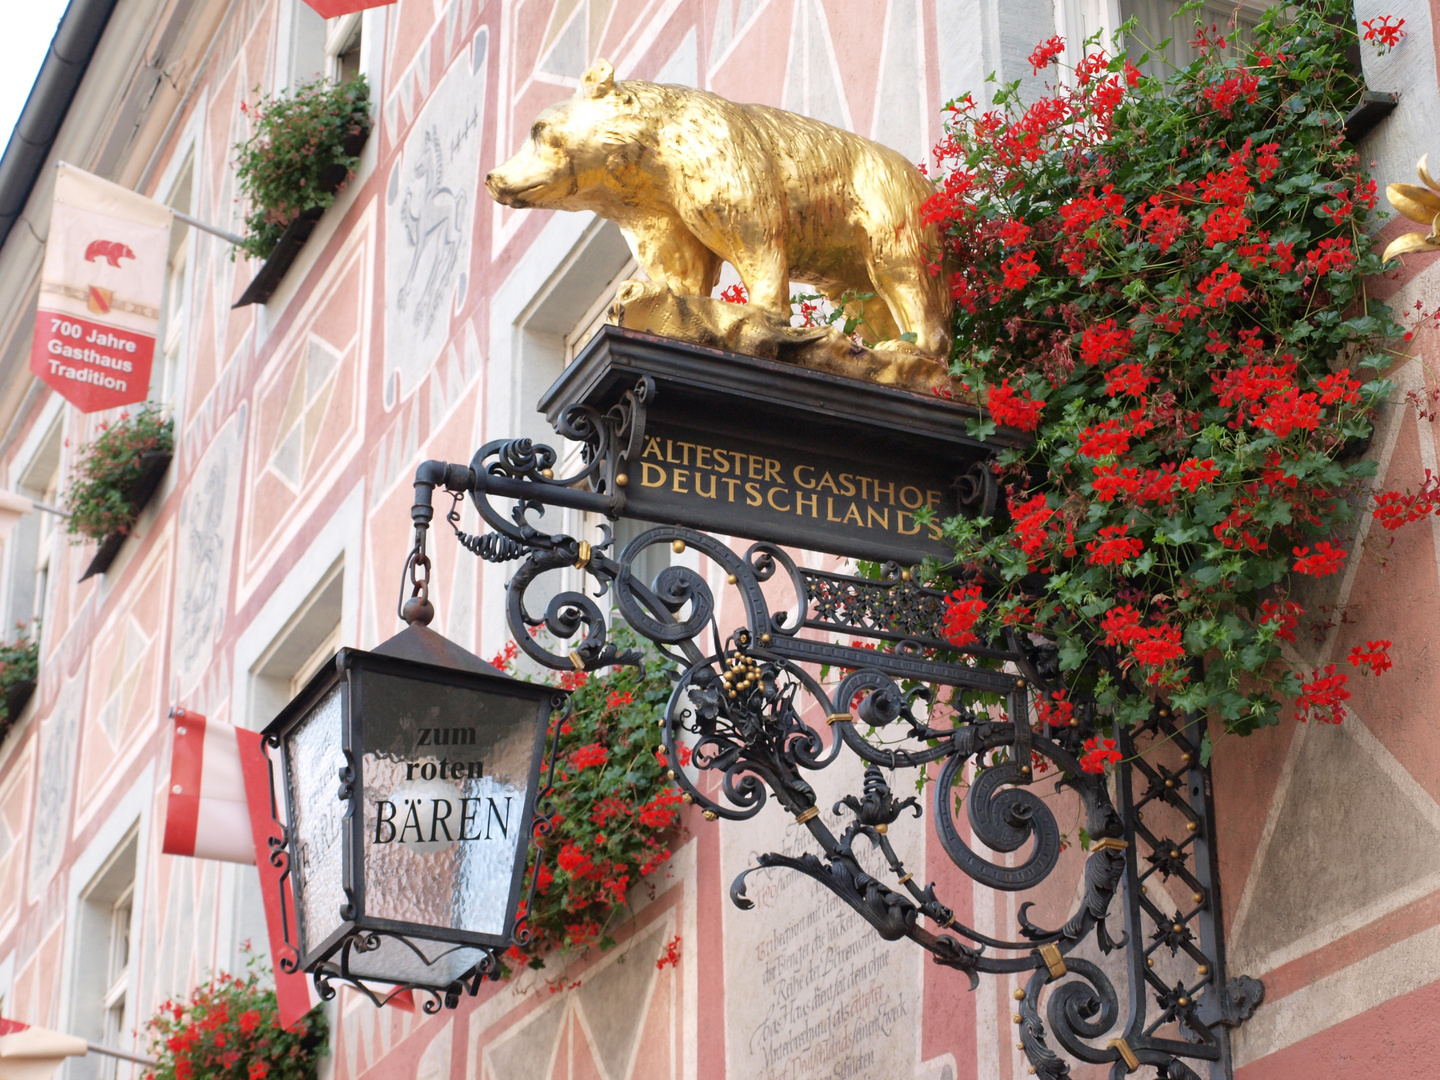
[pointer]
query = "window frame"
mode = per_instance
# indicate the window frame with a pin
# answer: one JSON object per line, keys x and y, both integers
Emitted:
{"x": 100, "y": 1000}
{"x": 168, "y": 383}
{"x": 344, "y": 37}
{"x": 31, "y": 546}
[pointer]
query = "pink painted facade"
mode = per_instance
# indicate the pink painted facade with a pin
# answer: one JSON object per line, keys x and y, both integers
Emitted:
{"x": 282, "y": 526}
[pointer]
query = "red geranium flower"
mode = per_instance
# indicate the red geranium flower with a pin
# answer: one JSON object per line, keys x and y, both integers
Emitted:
{"x": 1014, "y": 408}
{"x": 1375, "y": 655}
{"x": 1326, "y": 560}
{"x": 963, "y": 608}
{"x": 1222, "y": 286}
{"x": 1322, "y": 696}
{"x": 1098, "y": 753}
{"x": 591, "y": 754}
{"x": 1114, "y": 546}
{"x": 1194, "y": 472}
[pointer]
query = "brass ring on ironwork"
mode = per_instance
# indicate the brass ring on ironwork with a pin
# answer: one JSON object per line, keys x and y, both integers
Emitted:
{"x": 1054, "y": 962}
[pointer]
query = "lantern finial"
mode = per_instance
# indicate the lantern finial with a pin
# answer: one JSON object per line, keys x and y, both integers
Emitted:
{"x": 418, "y": 609}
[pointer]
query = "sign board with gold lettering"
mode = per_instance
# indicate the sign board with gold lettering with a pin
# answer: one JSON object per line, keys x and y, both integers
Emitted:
{"x": 767, "y": 451}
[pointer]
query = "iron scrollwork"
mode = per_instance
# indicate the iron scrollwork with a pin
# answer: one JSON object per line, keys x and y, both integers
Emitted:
{"x": 751, "y": 704}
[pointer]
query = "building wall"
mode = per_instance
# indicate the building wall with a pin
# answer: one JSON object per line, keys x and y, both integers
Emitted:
{"x": 282, "y": 526}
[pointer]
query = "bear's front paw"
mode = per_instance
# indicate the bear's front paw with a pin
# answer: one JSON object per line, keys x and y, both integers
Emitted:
{"x": 635, "y": 291}
{"x": 898, "y": 347}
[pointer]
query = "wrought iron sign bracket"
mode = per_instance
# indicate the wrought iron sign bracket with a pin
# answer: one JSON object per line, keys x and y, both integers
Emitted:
{"x": 750, "y": 701}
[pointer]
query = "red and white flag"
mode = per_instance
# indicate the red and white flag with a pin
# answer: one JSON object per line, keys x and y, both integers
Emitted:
{"x": 33, "y": 1053}
{"x": 207, "y": 815}
{"x": 219, "y": 807}
{"x": 100, "y": 292}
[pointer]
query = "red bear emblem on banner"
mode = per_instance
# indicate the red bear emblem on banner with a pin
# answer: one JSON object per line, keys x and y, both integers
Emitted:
{"x": 112, "y": 251}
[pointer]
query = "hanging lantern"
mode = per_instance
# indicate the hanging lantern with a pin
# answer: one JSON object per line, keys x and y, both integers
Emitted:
{"x": 409, "y": 777}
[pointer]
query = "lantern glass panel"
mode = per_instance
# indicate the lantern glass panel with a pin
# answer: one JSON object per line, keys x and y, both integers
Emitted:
{"x": 317, "y": 818}
{"x": 428, "y": 963}
{"x": 447, "y": 776}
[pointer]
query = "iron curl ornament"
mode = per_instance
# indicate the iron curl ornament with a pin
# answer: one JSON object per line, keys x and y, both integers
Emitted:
{"x": 768, "y": 703}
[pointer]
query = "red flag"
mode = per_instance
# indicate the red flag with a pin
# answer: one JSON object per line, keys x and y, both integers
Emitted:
{"x": 293, "y": 996}
{"x": 100, "y": 291}
{"x": 332, "y": 8}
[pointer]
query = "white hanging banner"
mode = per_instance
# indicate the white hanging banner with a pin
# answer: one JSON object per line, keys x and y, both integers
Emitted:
{"x": 100, "y": 292}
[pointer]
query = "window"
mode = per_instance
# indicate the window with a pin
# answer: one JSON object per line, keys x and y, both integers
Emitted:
{"x": 327, "y": 648}
{"x": 1162, "y": 19}
{"x": 599, "y": 312}
{"x": 34, "y": 536}
{"x": 297, "y": 630}
{"x": 656, "y": 557}
{"x": 651, "y": 561}
{"x": 117, "y": 981}
{"x": 342, "y": 47}
{"x": 307, "y": 56}
{"x": 575, "y": 340}
{"x": 46, "y": 545}
{"x": 552, "y": 329}
{"x": 165, "y": 379}
{"x": 307, "y": 641}
{"x": 104, "y": 1001}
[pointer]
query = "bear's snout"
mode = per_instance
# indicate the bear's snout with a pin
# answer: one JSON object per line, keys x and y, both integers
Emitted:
{"x": 505, "y": 189}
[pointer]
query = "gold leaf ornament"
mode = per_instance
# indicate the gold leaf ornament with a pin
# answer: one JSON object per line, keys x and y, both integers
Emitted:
{"x": 1420, "y": 204}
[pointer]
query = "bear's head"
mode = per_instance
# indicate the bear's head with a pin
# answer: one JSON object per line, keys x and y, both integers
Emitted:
{"x": 575, "y": 147}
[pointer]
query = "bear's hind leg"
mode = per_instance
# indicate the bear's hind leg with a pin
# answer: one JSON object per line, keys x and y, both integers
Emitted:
{"x": 918, "y": 306}
{"x": 766, "y": 275}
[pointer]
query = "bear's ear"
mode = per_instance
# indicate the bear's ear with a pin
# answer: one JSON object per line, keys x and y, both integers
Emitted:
{"x": 599, "y": 80}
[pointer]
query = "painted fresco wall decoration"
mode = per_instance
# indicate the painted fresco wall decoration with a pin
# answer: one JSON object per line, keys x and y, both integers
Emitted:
{"x": 619, "y": 1018}
{"x": 207, "y": 517}
{"x": 811, "y": 990}
{"x": 58, "y": 739}
{"x": 434, "y": 216}
{"x": 429, "y": 217}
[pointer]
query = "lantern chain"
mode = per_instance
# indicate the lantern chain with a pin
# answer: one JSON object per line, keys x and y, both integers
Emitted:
{"x": 418, "y": 608}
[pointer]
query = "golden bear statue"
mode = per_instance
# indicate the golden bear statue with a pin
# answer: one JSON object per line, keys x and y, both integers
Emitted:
{"x": 694, "y": 180}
